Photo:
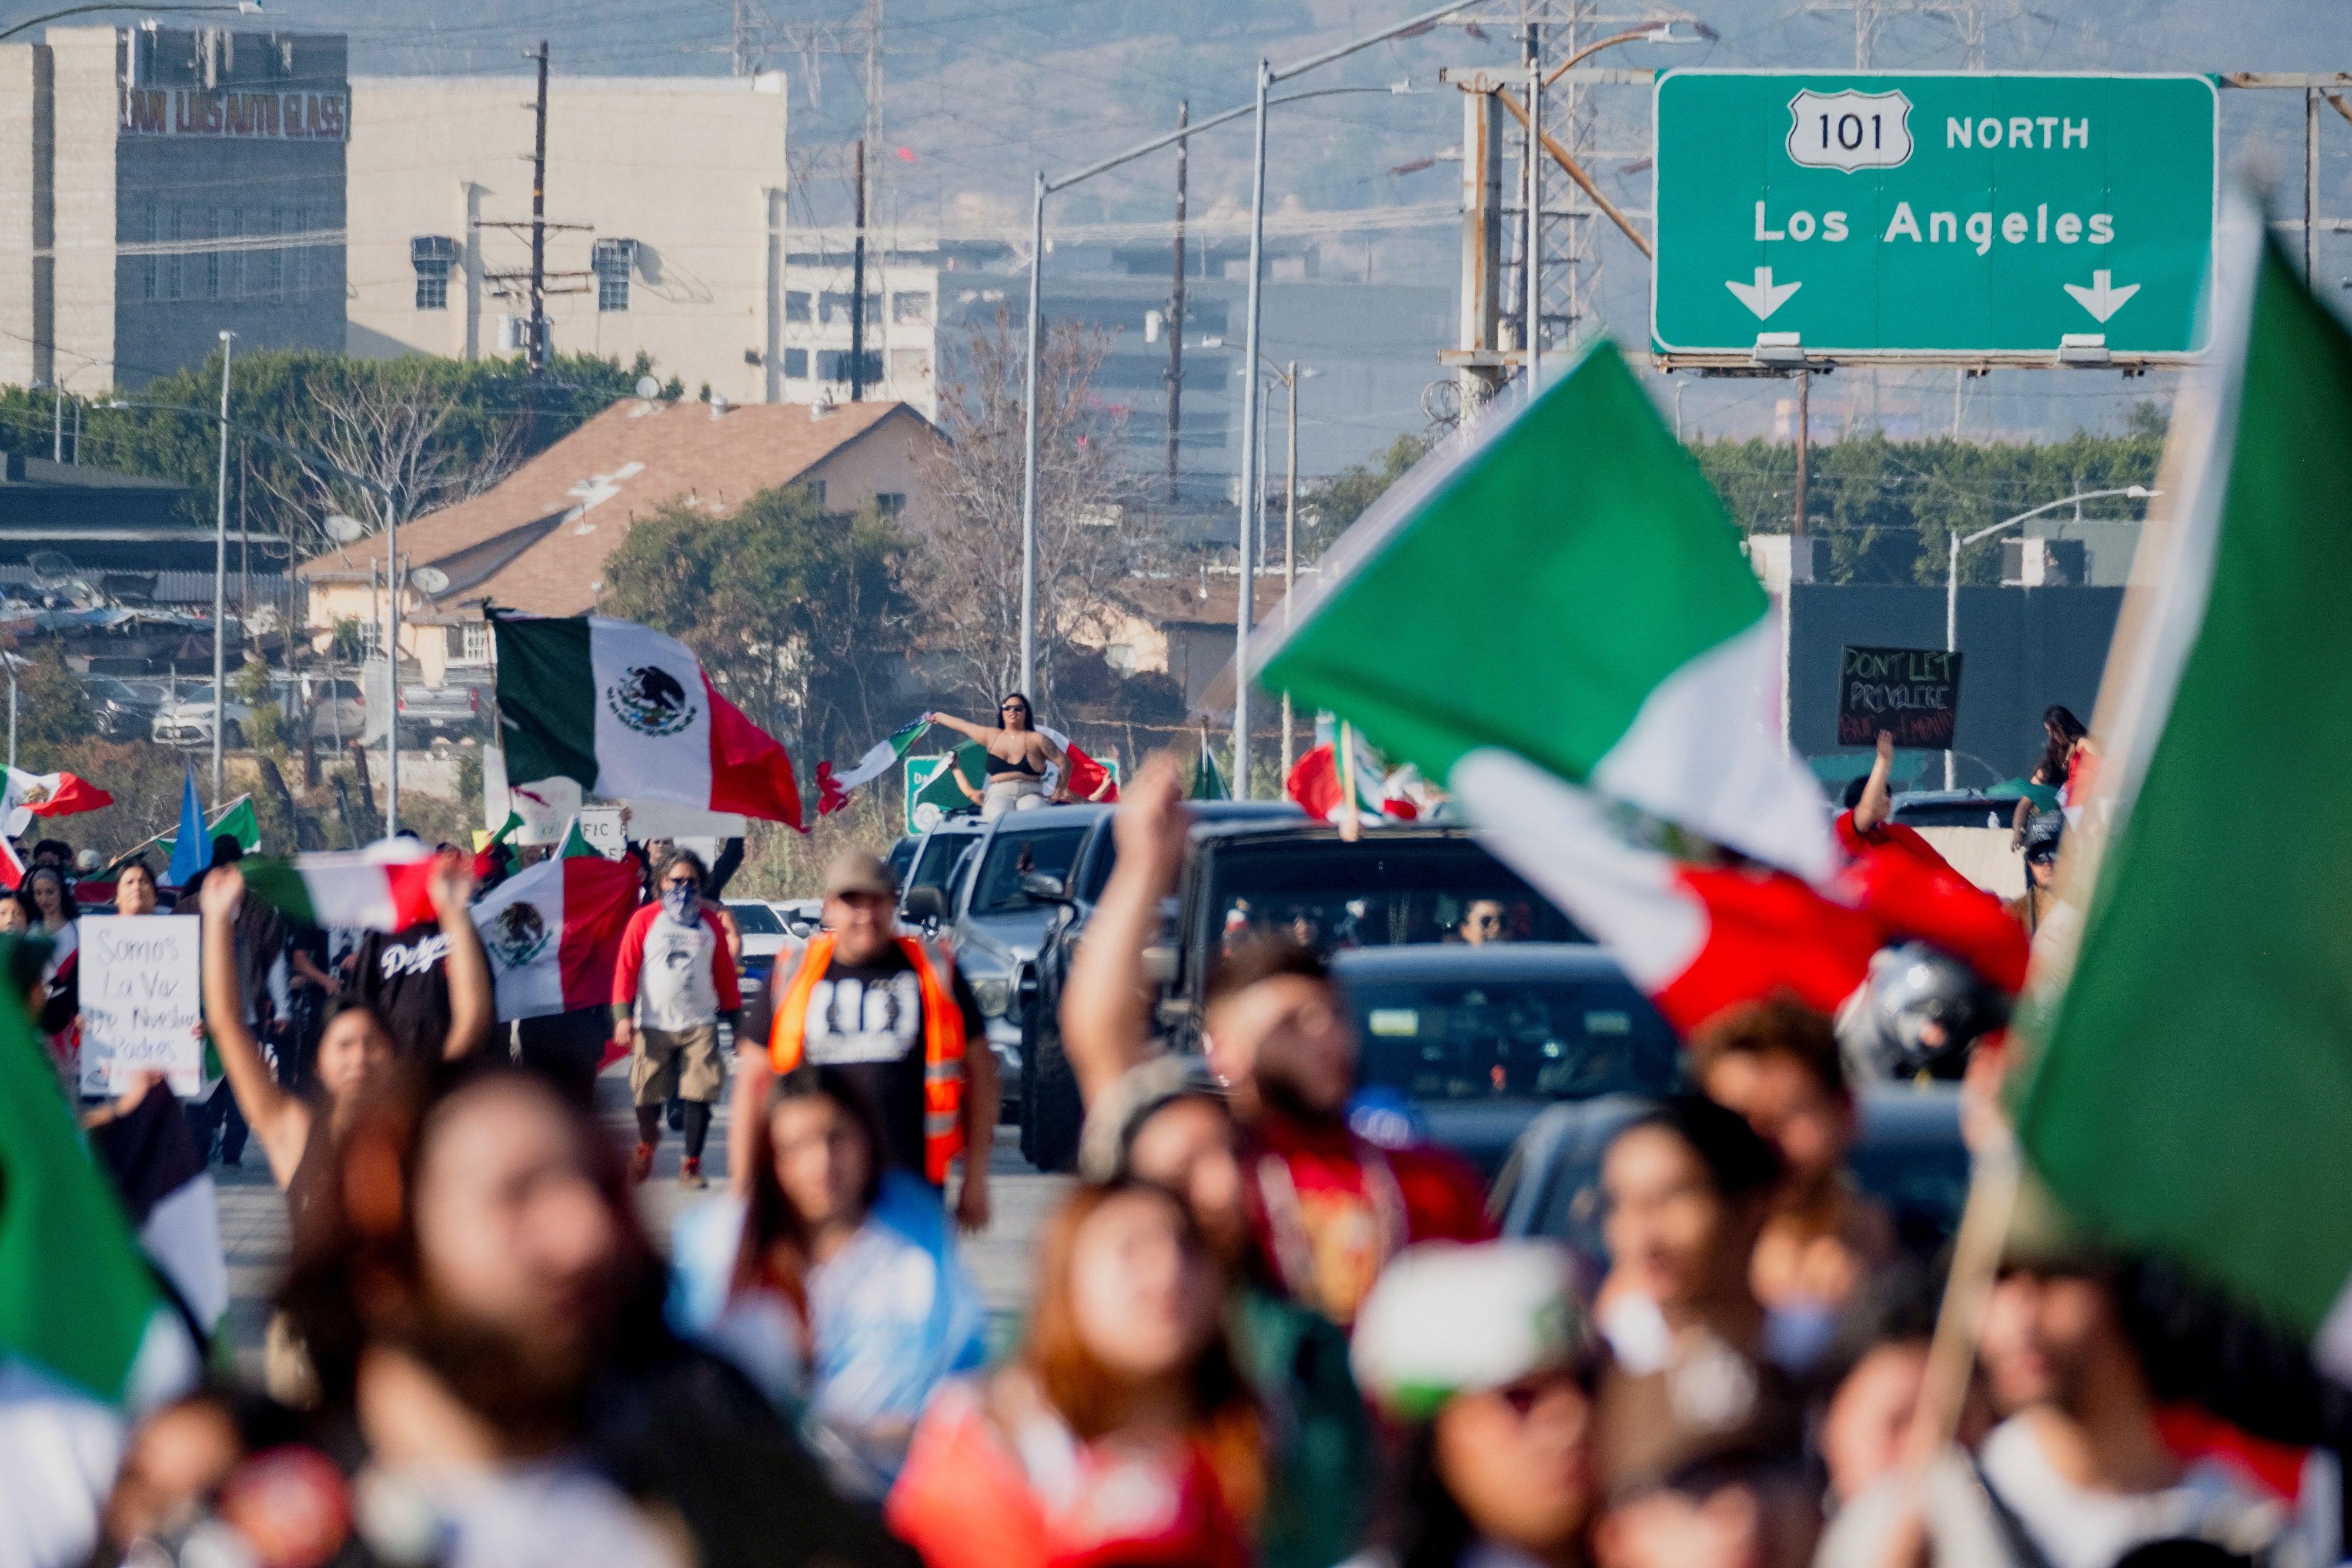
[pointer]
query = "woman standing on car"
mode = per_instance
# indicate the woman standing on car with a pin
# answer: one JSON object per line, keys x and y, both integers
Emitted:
{"x": 1018, "y": 756}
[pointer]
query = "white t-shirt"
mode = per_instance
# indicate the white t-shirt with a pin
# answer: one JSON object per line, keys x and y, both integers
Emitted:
{"x": 675, "y": 987}
{"x": 2076, "y": 1527}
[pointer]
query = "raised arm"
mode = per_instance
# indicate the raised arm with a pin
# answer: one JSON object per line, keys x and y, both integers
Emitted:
{"x": 965, "y": 728}
{"x": 1107, "y": 1000}
{"x": 1876, "y": 804}
{"x": 279, "y": 1120}
{"x": 473, "y": 1001}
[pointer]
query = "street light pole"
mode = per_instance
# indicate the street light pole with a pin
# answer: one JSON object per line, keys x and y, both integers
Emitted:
{"x": 242, "y": 7}
{"x": 1534, "y": 285}
{"x": 1029, "y": 467}
{"x": 1289, "y": 543}
{"x": 220, "y": 580}
{"x": 1952, "y": 577}
{"x": 1245, "y": 578}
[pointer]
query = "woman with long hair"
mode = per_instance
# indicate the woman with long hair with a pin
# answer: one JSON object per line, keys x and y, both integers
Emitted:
{"x": 1478, "y": 1356}
{"x": 833, "y": 1283}
{"x": 1121, "y": 1433}
{"x": 1018, "y": 756}
{"x": 50, "y": 911}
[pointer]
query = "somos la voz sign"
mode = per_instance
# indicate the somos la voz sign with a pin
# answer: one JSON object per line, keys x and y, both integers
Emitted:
{"x": 236, "y": 116}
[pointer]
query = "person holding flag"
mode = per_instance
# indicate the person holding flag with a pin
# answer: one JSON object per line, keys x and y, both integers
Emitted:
{"x": 1019, "y": 757}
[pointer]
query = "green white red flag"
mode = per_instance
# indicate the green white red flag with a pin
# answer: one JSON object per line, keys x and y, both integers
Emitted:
{"x": 834, "y": 790}
{"x": 25, "y": 795}
{"x": 553, "y": 933}
{"x": 380, "y": 888}
{"x": 1559, "y": 588}
{"x": 628, "y": 713}
{"x": 2187, "y": 1079}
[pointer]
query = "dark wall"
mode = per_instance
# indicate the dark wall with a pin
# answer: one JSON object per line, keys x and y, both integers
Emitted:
{"x": 2023, "y": 649}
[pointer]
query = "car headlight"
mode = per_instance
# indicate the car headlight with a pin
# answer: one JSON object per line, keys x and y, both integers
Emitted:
{"x": 994, "y": 993}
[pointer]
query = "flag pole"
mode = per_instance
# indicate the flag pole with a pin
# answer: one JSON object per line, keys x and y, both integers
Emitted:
{"x": 1976, "y": 1264}
{"x": 1351, "y": 828}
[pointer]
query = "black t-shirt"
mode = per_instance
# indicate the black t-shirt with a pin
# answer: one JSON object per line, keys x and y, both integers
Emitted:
{"x": 404, "y": 976}
{"x": 867, "y": 1019}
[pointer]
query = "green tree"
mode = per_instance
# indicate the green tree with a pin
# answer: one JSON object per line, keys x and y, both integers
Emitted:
{"x": 801, "y": 615}
{"x": 1325, "y": 515}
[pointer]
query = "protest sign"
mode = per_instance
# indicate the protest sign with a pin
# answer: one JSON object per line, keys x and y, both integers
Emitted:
{"x": 140, "y": 1001}
{"x": 1913, "y": 694}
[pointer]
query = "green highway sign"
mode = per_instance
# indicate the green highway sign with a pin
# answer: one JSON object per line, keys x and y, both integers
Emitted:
{"x": 1924, "y": 216}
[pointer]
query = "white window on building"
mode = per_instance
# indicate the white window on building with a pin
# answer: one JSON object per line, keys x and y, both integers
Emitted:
{"x": 614, "y": 260}
{"x": 796, "y": 364}
{"x": 910, "y": 305}
{"x": 476, "y": 642}
{"x": 833, "y": 305}
{"x": 891, "y": 502}
{"x": 432, "y": 255}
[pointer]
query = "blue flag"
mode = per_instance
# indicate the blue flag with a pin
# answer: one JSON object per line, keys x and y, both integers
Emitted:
{"x": 188, "y": 854}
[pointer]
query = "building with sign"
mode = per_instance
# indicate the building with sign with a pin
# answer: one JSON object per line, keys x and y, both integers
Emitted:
{"x": 159, "y": 187}
{"x": 665, "y": 209}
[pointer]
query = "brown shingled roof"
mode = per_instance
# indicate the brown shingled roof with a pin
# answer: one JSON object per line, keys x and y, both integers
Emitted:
{"x": 539, "y": 540}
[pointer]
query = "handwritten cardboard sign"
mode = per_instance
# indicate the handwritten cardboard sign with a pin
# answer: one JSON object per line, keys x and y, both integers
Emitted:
{"x": 142, "y": 1001}
{"x": 1913, "y": 694}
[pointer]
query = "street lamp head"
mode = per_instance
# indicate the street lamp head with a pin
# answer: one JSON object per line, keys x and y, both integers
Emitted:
{"x": 248, "y": 7}
{"x": 1700, "y": 32}
{"x": 114, "y": 402}
{"x": 2141, "y": 492}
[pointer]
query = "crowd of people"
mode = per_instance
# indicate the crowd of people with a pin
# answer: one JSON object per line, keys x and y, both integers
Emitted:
{"x": 1254, "y": 1335}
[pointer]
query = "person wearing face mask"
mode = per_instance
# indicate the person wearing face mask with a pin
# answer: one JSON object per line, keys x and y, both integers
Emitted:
{"x": 1479, "y": 1355}
{"x": 1121, "y": 1433}
{"x": 1328, "y": 1208}
{"x": 674, "y": 981}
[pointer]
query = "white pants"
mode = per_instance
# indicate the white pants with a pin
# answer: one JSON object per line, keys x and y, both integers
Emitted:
{"x": 1009, "y": 794}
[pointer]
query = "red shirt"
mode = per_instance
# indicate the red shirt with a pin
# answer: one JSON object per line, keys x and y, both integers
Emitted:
{"x": 1330, "y": 1209}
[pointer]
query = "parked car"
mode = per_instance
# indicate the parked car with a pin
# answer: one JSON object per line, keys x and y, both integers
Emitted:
{"x": 1908, "y": 1153}
{"x": 927, "y": 893}
{"x": 337, "y": 706}
{"x": 1481, "y": 1038}
{"x": 902, "y": 857}
{"x": 803, "y": 917}
{"x": 1050, "y": 1111}
{"x": 119, "y": 710}
{"x": 441, "y": 707}
{"x": 188, "y": 720}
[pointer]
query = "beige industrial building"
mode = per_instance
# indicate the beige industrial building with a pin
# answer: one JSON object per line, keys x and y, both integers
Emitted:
{"x": 665, "y": 206}
{"x": 159, "y": 187}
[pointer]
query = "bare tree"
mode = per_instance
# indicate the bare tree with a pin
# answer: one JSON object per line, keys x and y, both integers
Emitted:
{"x": 395, "y": 427}
{"x": 969, "y": 575}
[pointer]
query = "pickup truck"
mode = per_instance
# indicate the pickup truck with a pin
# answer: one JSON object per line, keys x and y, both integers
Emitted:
{"x": 442, "y": 707}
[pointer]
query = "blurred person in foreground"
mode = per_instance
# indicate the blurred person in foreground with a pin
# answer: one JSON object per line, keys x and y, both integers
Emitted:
{"x": 1479, "y": 1355}
{"x": 673, "y": 982}
{"x": 1688, "y": 1187}
{"x": 834, "y": 1285}
{"x": 1777, "y": 1064}
{"x": 1329, "y": 1208}
{"x": 895, "y": 1016}
{"x": 485, "y": 1315}
{"x": 1120, "y": 1434}
{"x": 2078, "y": 1473}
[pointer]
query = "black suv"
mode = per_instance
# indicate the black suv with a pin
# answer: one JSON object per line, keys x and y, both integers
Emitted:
{"x": 1403, "y": 884}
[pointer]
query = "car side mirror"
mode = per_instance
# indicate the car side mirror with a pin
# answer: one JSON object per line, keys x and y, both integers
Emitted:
{"x": 925, "y": 903}
{"x": 1045, "y": 888}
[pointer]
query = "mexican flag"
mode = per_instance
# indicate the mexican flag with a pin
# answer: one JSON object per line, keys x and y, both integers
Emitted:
{"x": 25, "y": 795}
{"x": 629, "y": 714}
{"x": 834, "y": 788}
{"x": 2188, "y": 1080}
{"x": 1559, "y": 589}
{"x": 1086, "y": 775}
{"x": 75, "y": 1298}
{"x": 553, "y": 933}
{"x": 1208, "y": 779}
{"x": 379, "y": 888}
{"x": 1318, "y": 783}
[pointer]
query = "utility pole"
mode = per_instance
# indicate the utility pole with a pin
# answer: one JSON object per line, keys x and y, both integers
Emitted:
{"x": 1176, "y": 302}
{"x": 743, "y": 60}
{"x": 57, "y": 420}
{"x": 537, "y": 350}
{"x": 1532, "y": 289}
{"x": 1804, "y": 440}
{"x": 1290, "y": 543}
{"x": 858, "y": 291}
{"x": 220, "y": 580}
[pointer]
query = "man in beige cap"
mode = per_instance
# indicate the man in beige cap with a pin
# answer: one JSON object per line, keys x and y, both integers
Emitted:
{"x": 892, "y": 1014}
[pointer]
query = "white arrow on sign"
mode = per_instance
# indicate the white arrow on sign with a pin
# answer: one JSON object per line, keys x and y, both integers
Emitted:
{"x": 1762, "y": 296}
{"x": 2101, "y": 299}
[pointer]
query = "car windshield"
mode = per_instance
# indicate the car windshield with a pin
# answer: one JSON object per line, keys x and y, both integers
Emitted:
{"x": 108, "y": 686}
{"x": 1512, "y": 1039}
{"x": 1372, "y": 894}
{"x": 935, "y": 865}
{"x": 1014, "y": 854}
{"x": 756, "y": 919}
{"x": 1993, "y": 812}
{"x": 203, "y": 694}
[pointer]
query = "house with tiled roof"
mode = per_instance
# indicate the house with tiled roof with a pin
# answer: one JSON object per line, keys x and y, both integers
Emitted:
{"x": 538, "y": 541}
